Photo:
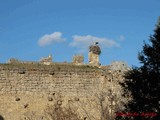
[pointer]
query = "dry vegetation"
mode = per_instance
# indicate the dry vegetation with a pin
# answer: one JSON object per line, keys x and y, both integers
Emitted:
{"x": 95, "y": 49}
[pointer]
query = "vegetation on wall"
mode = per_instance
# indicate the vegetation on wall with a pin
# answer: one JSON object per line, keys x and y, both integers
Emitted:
{"x": 95, "y": 49}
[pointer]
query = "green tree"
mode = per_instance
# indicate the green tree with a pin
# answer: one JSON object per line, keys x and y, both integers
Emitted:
{"x": 144, "y": 82}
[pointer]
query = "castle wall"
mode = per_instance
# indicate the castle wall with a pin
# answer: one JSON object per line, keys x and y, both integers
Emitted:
{"x": 29, "y": 88}
{"x": 26, "y": 89}
{"x": 41, "y": 79}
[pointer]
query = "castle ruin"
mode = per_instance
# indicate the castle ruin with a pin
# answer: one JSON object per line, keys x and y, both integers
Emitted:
{"x": 93, "y": 55}
{"x": 27, "y": 88}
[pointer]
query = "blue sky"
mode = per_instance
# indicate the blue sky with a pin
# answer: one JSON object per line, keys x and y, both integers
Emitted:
{"x": 32, "y": 29}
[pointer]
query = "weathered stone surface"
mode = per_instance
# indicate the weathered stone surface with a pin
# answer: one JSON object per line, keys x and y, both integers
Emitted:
{"x": 93, "y": 59}
{"x": 93, "y": 55}
{"x": 40, "y": 79}
{"x": 40, "y": 84}
{"x": 78, "y": 59}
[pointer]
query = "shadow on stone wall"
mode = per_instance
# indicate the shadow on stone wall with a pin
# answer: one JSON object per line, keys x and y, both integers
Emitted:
{"x": 1, "y": 118}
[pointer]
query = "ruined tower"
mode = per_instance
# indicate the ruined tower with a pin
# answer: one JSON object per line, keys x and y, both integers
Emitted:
{"x": 93, "y": 55}
{"x": 78, "y": 59}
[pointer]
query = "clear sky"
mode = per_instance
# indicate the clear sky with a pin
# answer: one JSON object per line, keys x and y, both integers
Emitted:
{"x": 31, "y": 29}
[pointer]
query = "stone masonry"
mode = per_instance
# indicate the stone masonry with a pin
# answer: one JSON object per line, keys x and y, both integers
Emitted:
{"x": 28, "y": 87}
{"x": 37, "y": 79}
{"x": 93, "y": 55}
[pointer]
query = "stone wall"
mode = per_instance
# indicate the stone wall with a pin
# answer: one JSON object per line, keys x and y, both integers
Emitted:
{"x": 31, "y": 87}
{"x": 78, "y": 59}
{"x": 93, "y": 59}
{"x": 26, "y": 89}
{"x": 40, "y": 79}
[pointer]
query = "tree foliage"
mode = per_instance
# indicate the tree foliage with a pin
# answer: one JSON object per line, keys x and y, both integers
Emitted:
{"x": 144, "y": 82}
